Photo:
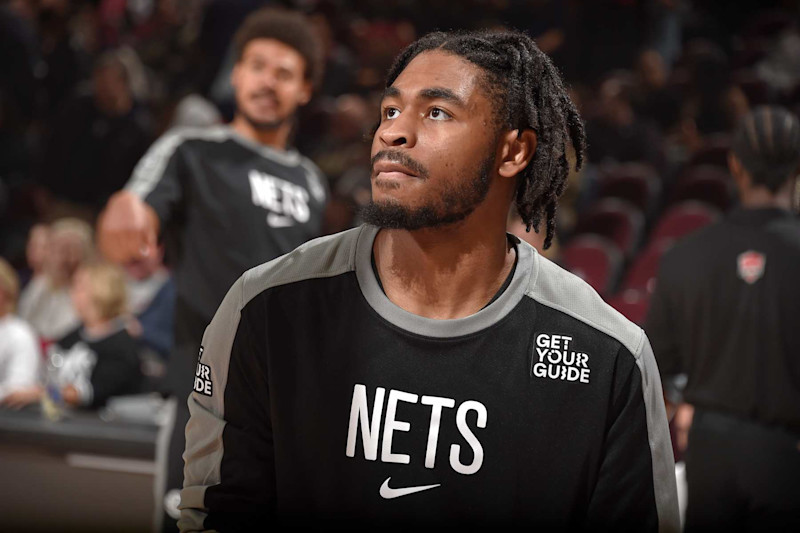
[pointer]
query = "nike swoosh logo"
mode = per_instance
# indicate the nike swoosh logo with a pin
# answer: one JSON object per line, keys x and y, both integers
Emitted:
{"x": 389, "y": 493}
{"x": 278, "y": 221}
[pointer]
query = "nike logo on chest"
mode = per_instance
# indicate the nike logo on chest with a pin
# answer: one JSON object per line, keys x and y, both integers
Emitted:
{"x": 389, "y": 493}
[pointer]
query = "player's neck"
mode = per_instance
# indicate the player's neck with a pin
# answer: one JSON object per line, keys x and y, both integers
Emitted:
{"x": 763, "y": 198}
{"x": 276, "y": 138}
{"x": 444, "y": 273}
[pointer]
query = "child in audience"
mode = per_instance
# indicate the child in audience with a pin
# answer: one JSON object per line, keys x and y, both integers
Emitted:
{"x": 20, "y": 356}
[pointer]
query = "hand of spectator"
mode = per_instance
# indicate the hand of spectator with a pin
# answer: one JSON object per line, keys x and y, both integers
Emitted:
{"x": 127, "y": 229}
{"x": 70, "y": 395}
{"x": 683, "y": 421}
{"x": 133, "y": 326}
{"x": 22, "y": 397}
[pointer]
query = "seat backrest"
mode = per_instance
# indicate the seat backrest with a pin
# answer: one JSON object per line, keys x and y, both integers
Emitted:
{"x": 595, "y": 259}
{"x": 681, "y": 220}
{"x": 615, "y": 219}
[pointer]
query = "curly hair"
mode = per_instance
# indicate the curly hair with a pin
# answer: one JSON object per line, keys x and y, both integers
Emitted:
{"x": 528, "y": 93}
{"x": 289, "y": 27}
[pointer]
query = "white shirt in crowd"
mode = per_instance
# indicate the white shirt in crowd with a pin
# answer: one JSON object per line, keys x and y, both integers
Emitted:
{"x": 20, "y": 355}
{"x": 49, "y": 311}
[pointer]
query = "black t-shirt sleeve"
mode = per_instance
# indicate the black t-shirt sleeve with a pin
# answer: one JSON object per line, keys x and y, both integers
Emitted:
{"x": 624, "y": 496}
{"x": 229, "y": 478}
{"x": 158, "y": 177}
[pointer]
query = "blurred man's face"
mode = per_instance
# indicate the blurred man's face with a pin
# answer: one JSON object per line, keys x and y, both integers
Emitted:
{"x": 81, "y": 295}
{"x": 65, "y": 255}
{"x": 434, "y": 150}
{"x": 269, "y": 81}
{"x": 36, "y": 249}
{"x": 111, "y": 91}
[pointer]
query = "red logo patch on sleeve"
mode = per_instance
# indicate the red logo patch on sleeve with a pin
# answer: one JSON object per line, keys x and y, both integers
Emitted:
{"x": 751, "y": 266}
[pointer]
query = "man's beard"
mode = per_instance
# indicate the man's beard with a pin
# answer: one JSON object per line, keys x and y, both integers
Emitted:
{"x": 452, "y": 205}
{"x": 262, "y": 125}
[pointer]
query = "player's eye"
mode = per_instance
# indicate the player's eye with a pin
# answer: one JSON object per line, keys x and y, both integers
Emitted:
{"x": 438, "y": 114}
{"x": 391, "y": 113}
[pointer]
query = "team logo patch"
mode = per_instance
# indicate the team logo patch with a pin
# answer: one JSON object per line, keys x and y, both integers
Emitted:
{"x": 750, "y": 266}
{"x": 554, "y": 357}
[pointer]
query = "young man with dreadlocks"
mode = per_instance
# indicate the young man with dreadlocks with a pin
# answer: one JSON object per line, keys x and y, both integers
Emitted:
{"x": 427, "y": 368}
{"x": 723, "y": 321}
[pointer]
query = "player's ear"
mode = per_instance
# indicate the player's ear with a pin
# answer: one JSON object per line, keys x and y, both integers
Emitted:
{"x": 306, "y": 92}
{"x": 517, "y": 150}
{"x": 235, "y": 74}
{"x": 740, "y": 175}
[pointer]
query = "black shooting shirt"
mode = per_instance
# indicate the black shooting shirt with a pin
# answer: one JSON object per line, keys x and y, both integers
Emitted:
{"x": 726, "y": 313}
{"x": 229, "y": 203}
{"x": 319, "y": 402}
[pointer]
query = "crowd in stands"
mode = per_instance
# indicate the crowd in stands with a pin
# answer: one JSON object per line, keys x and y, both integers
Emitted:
{"x": 88, "y": 85}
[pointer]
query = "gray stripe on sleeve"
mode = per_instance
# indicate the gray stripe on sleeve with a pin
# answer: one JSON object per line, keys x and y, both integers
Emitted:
{"x": 562, "y": 290}
{"x": 323, "y": 257}
{"x": 204, "y": 446}
{"x": 665, "y": 487}
{"x": 150, "y": 168}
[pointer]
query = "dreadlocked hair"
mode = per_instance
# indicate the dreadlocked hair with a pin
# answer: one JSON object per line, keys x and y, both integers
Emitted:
{"x": 528, "y": 93}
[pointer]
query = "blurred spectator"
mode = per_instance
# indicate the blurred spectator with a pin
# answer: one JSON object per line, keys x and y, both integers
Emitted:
{"x": 96, "y": 140}
{"x": 151, "y": 296}
{"x": 45, "y": 301}
{"x": 20, "y": 357}
{"x": 714, "y": 104}
{"x": 99, "y": 359}
{"x": 652, "y": 99}
{"x": 723, "y": 326}
{"x": 615, "y": 133}
{"x": 36, "y": 251}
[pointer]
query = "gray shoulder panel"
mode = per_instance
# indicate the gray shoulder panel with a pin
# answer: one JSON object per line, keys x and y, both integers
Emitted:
{"x": 319, "y": 258}
{"x": 566, "y": 292}
{"x": 150, "y": 168}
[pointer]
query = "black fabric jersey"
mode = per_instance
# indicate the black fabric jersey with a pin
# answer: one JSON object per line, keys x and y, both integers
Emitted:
{"x": 100, "y": 367}
{"x": 317, "y": 401}
{"x": 725, "y": 313}
{"x": 233, "y": 203}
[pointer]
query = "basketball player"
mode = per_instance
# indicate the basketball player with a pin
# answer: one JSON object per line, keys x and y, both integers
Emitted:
{"x": 724, "y": 315}
{"x": 230, "y": 197}
{"x": 427, "y": 369}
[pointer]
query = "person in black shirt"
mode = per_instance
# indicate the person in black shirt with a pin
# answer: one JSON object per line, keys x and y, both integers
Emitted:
{"x": 227, "y": 198}
{"x": 723, "y": 321}
{"x": 463, "y": 380}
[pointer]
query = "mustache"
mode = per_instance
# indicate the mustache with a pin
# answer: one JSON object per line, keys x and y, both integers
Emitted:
{"x": 265, "y": 92}
{"x": 402, "y": 158}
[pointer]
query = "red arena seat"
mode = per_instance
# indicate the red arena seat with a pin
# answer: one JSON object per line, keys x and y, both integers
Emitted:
{"x": 615, "y": 219}
{"x": 680, "y": 220}
{"x": 632, "y": 304}
{"x": 595, "y": 259}
{"x": 637, "y": 183}
{"x": 641, "y": 275}
{"x": 707, "y": 184}
{"x": 715, "y": 152}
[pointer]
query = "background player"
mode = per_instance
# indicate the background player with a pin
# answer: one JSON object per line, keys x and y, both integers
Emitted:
{"x": 427, "y": 367}
{"x": 230, "y": 197}
{"x": 724, "y": 315}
